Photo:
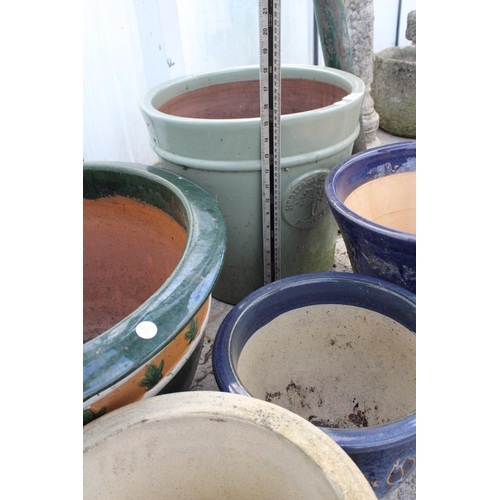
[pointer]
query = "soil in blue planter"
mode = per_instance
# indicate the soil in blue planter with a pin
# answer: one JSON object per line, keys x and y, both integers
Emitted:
{"x": 336, "y": 365}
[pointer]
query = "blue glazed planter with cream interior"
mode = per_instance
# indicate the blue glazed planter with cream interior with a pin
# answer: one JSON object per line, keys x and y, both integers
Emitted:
{"x": 339, "y": 350}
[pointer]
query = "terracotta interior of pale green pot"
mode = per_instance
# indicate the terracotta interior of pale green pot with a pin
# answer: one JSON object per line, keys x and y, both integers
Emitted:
{"x": 242, "y": 99}
{"x": 338, "y": 366}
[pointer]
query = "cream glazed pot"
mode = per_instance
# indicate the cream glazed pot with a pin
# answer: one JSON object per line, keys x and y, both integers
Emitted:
{"x": 212, "y": 445}
{"x": 206, "y": 127}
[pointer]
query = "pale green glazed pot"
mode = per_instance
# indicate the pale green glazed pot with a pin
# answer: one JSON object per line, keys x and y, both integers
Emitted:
{"x": 217, "y": 145}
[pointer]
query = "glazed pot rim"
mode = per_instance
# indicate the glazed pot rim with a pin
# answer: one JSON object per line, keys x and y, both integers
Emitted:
{"x": 224, "y": 363}
{"x": 336, "y": 465}
{"x": 202, "y": 258}
{"x": 347, "y": 81}
{"x": 355, "y": 159}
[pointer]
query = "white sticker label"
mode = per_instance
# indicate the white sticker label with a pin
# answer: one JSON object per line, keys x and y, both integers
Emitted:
{"x": 146, "y": 330}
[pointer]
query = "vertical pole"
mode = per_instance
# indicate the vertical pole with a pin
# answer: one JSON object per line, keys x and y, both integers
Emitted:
{"x": 336, "y": 45}
{"x": 270, "y": 114}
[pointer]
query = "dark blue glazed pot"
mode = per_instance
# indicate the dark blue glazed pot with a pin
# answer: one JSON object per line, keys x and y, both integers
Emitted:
{"x": 374, "y": 249}
{"x": 384, "y": 452}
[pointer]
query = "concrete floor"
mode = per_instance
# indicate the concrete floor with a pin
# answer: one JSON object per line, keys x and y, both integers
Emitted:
{"x": 205, "y": 381}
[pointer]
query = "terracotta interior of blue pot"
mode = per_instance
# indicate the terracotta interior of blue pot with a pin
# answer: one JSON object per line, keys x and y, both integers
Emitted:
{"x": 380, "y": 186}
{"x": 133, "y": 240}
{"x": 389, "y": 201}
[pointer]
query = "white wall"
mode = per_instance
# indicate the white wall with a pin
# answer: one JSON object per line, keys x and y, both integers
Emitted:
{"x": 113, "y": 79}
{"x": 129, "y": 46}
{"x": 385, "y": 24}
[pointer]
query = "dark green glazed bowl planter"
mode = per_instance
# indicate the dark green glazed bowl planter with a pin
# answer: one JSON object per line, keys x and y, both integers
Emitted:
{"x": 155, "y": 349}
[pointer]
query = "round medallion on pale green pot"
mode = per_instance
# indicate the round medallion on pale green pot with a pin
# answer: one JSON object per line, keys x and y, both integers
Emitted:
{"x": 213, "y": 446}
{"x": 154, "y": 243}
{"x": 207, "y": 128}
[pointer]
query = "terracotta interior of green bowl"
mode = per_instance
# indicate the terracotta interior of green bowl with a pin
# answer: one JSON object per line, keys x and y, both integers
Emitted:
{"x": 130, "y": 249}
{"x": 242, "y": 99}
